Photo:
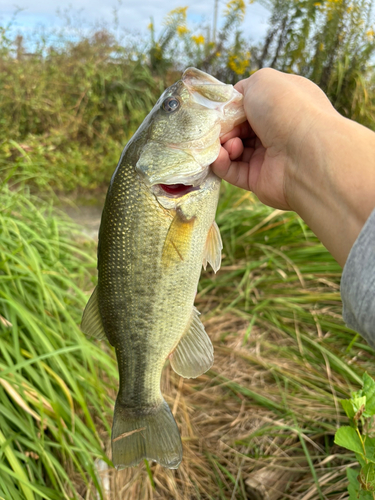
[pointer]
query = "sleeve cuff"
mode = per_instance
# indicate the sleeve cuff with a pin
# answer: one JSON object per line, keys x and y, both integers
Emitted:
{"x": 358, "y": 283}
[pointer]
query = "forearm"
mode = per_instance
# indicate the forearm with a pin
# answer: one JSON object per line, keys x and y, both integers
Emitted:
{"x": 298, "y": 153}
{"x": 332, "y": 182}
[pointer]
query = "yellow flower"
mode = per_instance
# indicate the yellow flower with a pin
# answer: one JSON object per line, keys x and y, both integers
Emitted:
{"x": 237, "y": 6}
{"x": 218, "y": 54}
{"x": 239, "y": 64}
{"x": 176, "y": 17}
{"x": 370, "y": 33}
{"x": 182, "y": 30}
{"x": 179, "y": 11}
{"x": 198, "y": 39}
{"x": 317, "y": 4}
{"x": 150, "y": 26}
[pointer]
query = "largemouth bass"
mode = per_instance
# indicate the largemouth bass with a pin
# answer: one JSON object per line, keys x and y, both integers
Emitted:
{"x": 157, "y": 230}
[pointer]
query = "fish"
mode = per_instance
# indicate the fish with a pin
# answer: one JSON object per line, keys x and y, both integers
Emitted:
{"x": 157, "y": 230}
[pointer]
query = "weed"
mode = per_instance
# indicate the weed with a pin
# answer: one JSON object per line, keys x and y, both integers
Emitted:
{"x": 53, "y": 395}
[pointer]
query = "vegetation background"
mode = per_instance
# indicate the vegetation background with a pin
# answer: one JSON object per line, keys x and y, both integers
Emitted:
{"x": 268, "y": 410}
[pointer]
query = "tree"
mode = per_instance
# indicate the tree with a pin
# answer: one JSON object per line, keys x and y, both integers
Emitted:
{"x": 331, "y": 42}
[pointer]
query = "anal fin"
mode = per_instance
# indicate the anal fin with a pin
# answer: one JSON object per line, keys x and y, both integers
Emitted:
{"x": 194, "y": 353}
{"x": 213, "y": 248}
{"x": 91, "y": 324}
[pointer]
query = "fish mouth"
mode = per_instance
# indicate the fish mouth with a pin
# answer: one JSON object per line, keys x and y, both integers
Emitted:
{"x": 177, "y": 186}
{"x": 173, "y": 190}
{"x": 215, "y": 95}
{"x": 171, "y": 195}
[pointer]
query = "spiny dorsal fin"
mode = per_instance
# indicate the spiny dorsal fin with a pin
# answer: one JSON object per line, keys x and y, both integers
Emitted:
{"x": 213, "y": 248}
{"x": 91, "y": 324}
{"x": 194, "y": 353}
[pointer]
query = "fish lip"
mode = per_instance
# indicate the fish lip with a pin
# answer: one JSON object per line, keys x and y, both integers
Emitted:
{"x": 196, "y": 82}
{"x": 191, "y": 73}
{"x": 195, "y": 181}
{"x": 193, "y": 184}
{"x": 195, "y": 79}
{"x": 176, "y": 190}
{"x": 172, "y": 202}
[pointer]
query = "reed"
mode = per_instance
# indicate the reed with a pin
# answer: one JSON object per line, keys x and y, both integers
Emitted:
{"x": 54, "y": 384}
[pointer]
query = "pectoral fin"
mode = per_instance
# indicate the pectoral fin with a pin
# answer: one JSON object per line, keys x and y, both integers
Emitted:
{"x": 91, "y": 324}
{"x": 194, "y": 353}
{"x": 177, "y": 243}
{"x": 213, "y": 248}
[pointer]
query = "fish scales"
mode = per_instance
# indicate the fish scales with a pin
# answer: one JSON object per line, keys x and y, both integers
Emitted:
{"x": 133, "y": 321}
{"x": 128, "y": 277}
{"x": 157, "y": 229}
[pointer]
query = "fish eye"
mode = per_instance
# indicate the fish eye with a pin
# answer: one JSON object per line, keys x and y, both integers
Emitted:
{"x": 171, "y": 104}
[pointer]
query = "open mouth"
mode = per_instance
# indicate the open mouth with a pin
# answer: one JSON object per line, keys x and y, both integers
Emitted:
{"x": 176, "y": 189}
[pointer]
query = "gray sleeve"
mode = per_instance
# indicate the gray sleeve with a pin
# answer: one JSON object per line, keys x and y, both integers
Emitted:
{"x": 358, "y": 283}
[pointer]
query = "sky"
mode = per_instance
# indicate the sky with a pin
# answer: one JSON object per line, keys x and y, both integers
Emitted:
{"x": 134, "y": 15}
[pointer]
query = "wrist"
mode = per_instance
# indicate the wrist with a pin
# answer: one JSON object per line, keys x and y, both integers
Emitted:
{"x": 330, "y": 182}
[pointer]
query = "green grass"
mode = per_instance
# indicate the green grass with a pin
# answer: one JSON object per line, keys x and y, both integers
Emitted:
{"x": 68, "y": 109}
{"x": 47, "y": 167}
{"x": 54, "y": 403}
{"x": 283, "y": 285}
{"x": 283, "y": 359}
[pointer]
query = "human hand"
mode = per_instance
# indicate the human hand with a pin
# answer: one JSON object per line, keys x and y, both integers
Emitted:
{"x": 271, "y": 151}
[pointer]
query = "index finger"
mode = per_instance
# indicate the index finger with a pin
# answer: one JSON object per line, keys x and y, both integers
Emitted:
{"x": 243, "y": 131}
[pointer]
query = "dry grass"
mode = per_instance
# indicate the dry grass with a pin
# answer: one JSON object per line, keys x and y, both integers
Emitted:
{"x": 283, "y": 360}
{"x": 229, "y": 431}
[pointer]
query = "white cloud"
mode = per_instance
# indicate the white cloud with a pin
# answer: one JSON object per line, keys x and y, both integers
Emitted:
{"x": 133, "y": 16}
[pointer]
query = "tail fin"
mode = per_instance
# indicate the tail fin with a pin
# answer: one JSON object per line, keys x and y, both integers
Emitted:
{"x": 152, "y": 434}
